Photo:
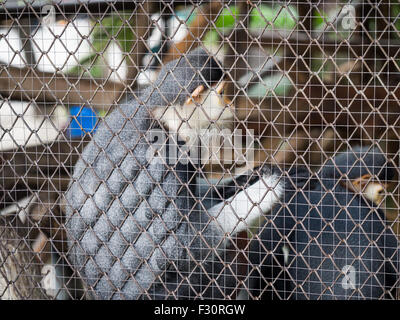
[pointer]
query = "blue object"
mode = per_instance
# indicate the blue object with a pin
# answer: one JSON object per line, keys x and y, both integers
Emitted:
{"x": 83, "y": 120}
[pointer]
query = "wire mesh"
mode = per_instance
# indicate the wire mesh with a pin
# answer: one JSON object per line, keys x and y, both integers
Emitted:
{"x": 199, "y": 149}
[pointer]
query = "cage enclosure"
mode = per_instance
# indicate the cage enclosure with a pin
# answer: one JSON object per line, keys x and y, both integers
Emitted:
{"x": 189, "y": 149}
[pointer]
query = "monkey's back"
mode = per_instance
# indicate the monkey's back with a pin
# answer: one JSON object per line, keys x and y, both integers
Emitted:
{"x": 326, "y": 233}
{"x": 125, "y": 208}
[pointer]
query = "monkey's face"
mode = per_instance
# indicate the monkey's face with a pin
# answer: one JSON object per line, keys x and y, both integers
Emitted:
{"x": 203, "y": 109}
{"x": 372, "y": 188}
{"x": 208, "y": 106}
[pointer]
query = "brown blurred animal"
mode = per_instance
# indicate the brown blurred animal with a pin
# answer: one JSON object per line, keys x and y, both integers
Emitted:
{"x": 19, "y": 271}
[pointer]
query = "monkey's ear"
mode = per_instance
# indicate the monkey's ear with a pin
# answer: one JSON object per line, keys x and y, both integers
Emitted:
{"x": 220, "y": 91}
{"x": 220, "y": 87}
{"x": 195, "y": 96}
{"x": 372, "y": 190}
{"x": 360, "y": 183}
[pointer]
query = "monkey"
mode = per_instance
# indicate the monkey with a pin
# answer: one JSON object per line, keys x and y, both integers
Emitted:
{"x": 329, "y": 239}
{"x": 134, "y": 226}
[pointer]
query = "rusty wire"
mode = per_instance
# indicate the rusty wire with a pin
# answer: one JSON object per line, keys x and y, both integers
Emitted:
{"x": 336, "y": 87}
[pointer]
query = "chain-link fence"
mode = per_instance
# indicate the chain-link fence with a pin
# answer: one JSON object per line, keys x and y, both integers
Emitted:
{"x": 199, "y": 149}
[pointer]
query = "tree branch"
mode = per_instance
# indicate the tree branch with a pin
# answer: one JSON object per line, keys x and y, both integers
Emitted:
{"x": 32, "y": 85}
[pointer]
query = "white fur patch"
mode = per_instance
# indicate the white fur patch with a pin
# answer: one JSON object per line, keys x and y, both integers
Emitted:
{"x": 238, "y": 212}
{"x": 189, "y": 119}
{"x": 285, "y": 250}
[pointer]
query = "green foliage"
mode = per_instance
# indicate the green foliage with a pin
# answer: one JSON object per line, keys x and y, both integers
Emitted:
{"x": 396, "y": 18}
{"x": 278, "y": 84}
{"x": 321, "y": 66}
{"x": 224, "y": 23}
{"x": 281, "y": 18}
{"x": 227, "y": 19}
{"x": 397, "y": 64}
{"x": 260, "y": 18}
{"x": 87, "y": 64}
{"x": 211, "y": 38}
{"x": 115, "y": 27}
{"x": 320, "y": 19}
{"x": 263, "y": 17}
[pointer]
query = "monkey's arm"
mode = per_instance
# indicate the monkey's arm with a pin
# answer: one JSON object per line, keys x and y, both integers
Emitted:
{"x": 260, "y": 192}
{"x": 294, "y": 178}
{"x": 238, "y": 212}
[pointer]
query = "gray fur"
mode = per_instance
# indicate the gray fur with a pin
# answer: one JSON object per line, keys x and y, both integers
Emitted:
{"x": 326, "y": 228}
{"x": 130, "y": 220}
